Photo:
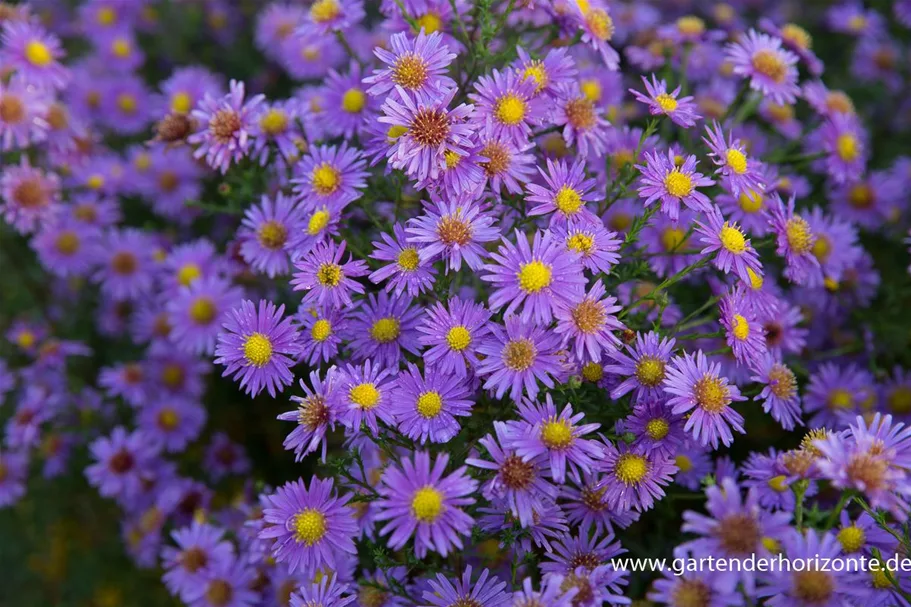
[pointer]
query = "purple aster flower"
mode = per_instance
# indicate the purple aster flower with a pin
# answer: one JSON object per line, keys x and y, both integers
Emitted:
{"x": 868, "y": 202}
{"x": 327, "y": 592}
{"x": 812, "y": 585}
{"x": 585, "y": 551}
{"x": 735, "y": 528}
{"x": 347, "y": 103}
{"x": 406, "y": 272}
{"x": 426, "y": 408}
{"x": 835, "y": 394}
{"x": 172, "y": 423}
{"x": 538, "y": 278}
{"x": 22, "y": 120}
{"x": 454, "y": 231}
{"x": 453, "y": 333}
{"x": 846, "y": 145}
{"x": 733, "y": 251}
{"x": 30, "y": 195}
{"x": 695, "y": 385}
{"x": 321, "y": 331}
{"x": 796, "y": 243}
{"x": 186, "y": 87}
{"x": 67, "y": 247}
{"x": 644, "y": 366}
{"x": 198, "y": 311}
{"x": 256, "y": 347}
{"x": 507, "y": 106}
{"x": 743, "y": 331}
{"x": 772, "y": 70}
{"x": 681, "y": 111}
{"x": 740, "y": 173}
{"x": 582, "y": 122}
{"x": 655, "y": 428}
{"x": 432, "y": 133}
{"x": 520, "y": 484}
{"x": 634, "y": 479}
{"x": 827, "y": 102}
{"x": 667, "y": 243}
{"x": 662, "y": 179}
{"x": 329, "y": 176}
{"x": 542, "y": 432}
{"x": 126, "y": 264}
{"x": 224, "y": 135}
{"x": 382, "y": 328}
{"x": 551, "y": 594}
{"x": 362, "y": 396}
{"x": 506, "y": 164}
{"x": 557, "y": 68}
{"x": 275, "y": 125}
{"x": 13, "y": 475}
{"x": 565, "y": 196}
{"x": 587, "y": 323}
{"x": 326, "y": 278}
{"x": 127, "y": 105}
{"x": 698, "y": 586}
{"x": 120, "y": 460}
{"x": 597, "y": 30}
{"x": 796, "y": 39}
{"x": 779, "y": 394}
{"x": 33, "y": 53}
{"x": 417, "y": 64}
{"x": 311, "y": 526}
{"x": 199, "y": 546}
{"x": 418, "y": 500}
{"x": 315, "y": 415}
{"x": 327, "y": 16}
{"x": 486, "y": 591}
{"x": 187, "y": 263}
{"x": 516, "y": 357}
{"x": 597, "y": 246}
{"x": 266, "y": 233}
{"x": 225, "y": 583}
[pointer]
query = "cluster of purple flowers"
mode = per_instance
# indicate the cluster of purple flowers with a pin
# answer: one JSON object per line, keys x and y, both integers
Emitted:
{"x": 533, "y": 294}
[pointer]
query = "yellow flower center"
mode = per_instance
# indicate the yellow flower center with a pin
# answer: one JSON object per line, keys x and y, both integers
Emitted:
{"x": 847, "y": 147}
{"x": 650, "y": 371}
{"x": 782, "y": 381}
{"x": 510, "y": 109}
{"x": 657, "y": 428}
{"x": 257, "y": 349}
{"x": 839, "y": 398}
{"x": 592, "y": 371}
{"x": 591, "y": 88}
{"x": 329, "y": 274}
{"x": 851, "y": 538}
{"x": 429, "y": 22}
{"x": 667, "y": 103}
{"x": 188, "y": 274}
{"x": 822, "y": 248}
{"x": 274, "y": 122}
{"x": 769, "y": 64}
{"x": 684, "y": 463}
{"x": 690, "y": 25}
{"x": 410, "y": 71}
{"x": 899, "y": 400}
{"x": 181, "y": 103}
{"x": 121, "y": 48}
{"x": 631, "y": 468}
{"x": 95, "y": 182}
{"x": 106, "y": 16}
{"x": 600, "y": 24}
{"x": 203, "y": 311}
{"x": 318, "y": 222}
{"x": 458, "y": 338}
{"x": 519, "y": 354}
{"x": 534, "y": 276}
{"x": 309, "y": 526}
{"x": 323, "y": 11}
{"x": 800, "y": 237}
{"x": 737, "y": 161}
{"x": 557, "y": 433}
{"x": 778, "y": 483}
{"x": 394, "y": 132}
{"x": 536, "y": 71}
{"x": 677, "y": 184}
{"x": 861, "y": 196}
{"x": 879, "y": 578}
{"x": 740, "y": 327}
{"x": 354, "y": 100}
{"x": 385, "y": 330}
{"x": 568, "y": 201}
{"x": 588, "y": 316}
{"x": 711, "y": 394}
{"x": 168, "y": 419}
{"x": 272, "y": 234}
{"x": 326, "y": 179}
{"x": 365, "y": 395}
{"x": 452, "y": 159}
{"x": 67, "y": 243}
{"x": 796, "y": 35}
{"x": 127, "y": 103}
{"x": 672, "y": 239}
{"x": 581, "y": 243}
{"x": 37, "y": 53}
{"x": 429, "y": 404}
{"x": 409, "y": 260}
{"x": 812, "y": 587}
{"x": 756, "y": 281}
{"x": 427, "y": 505}
{"x": 750, "y": 201}
{"x": 732, "y": 239}
{"x": 771, "y": 544}
{"x": 321, "y": 330}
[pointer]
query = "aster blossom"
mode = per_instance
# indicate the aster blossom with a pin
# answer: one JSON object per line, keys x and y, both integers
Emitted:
{"x": 224, "y": 135}
{"x": 663, "y": 180}
{"x": 681, "y": 110}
